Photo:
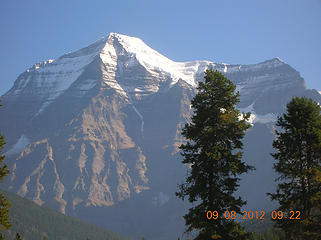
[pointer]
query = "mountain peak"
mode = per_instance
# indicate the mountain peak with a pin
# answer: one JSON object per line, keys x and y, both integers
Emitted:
{"x": 278, "y": 59}
{"x": 275, "y": 60}
{"x": 134, "y": 50}
{"x": 139, "y": 48}
{"x": 122, "y": 37}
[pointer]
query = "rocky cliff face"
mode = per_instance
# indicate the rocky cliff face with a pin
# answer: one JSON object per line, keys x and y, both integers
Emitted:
{"x": 96, "y": 132}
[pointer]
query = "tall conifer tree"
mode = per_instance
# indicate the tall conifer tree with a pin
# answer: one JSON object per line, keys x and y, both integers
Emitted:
{"x": 4, "y": 204}
{"x": 213, "y": 152}
{"x": 298, "y": 155}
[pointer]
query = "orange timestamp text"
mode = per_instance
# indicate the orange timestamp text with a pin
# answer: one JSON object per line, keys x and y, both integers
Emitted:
{"x": 249, "y": 215}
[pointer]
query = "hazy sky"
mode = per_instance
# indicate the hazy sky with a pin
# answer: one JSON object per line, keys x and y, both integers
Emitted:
{"x": 230, "y": 31}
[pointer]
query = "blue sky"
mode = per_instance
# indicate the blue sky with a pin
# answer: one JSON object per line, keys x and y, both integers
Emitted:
{"x": 230, "y": 31}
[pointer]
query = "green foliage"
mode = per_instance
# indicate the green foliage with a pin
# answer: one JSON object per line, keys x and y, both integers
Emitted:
{"x": 298, "y": 155}
{"x": 4, "y": 213}
{"x": 18, "y": 237}
{"x": 213, "y": 152}
{"x": 4, "y": 204}
{"x": 35, "y": 222}
{"x": 4, "y": 171}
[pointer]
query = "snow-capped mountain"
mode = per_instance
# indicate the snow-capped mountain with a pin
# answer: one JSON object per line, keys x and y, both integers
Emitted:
{"x": 95, "y": 133}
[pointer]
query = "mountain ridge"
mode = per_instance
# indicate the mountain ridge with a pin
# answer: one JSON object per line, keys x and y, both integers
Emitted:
{"x": 97, "y": 50}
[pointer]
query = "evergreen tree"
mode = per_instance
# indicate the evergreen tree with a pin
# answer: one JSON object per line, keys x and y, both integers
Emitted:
{"x": 298, "y": 156}
{"x": 213, "y": 152}
{"x": 4, "y": 204}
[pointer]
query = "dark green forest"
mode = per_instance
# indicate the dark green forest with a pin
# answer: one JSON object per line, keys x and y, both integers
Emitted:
{"x": 35, "y": 222}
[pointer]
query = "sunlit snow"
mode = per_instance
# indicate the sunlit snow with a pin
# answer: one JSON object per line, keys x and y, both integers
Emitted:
{"x": 257, "y": 118}
{"x": 118, "y": 52}
{"x": 154, "y": 61}
{"x": 60, "y": 74}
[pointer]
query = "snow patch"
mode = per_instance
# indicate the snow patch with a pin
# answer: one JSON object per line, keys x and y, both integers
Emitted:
{"x": 109, "y": 58}
{"x": 22, "y": 142}
{"x": 258, "y": 118}
{"x": 225, "y": 68}
{"x": 59, "y": 75}
{"x": 139, "y": 115}
{"x": 267, "y": 118}
{"x": 141, "y": 119}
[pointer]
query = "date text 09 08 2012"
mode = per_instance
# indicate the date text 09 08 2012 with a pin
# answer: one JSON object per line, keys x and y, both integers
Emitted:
{"x": 248, "y": 215}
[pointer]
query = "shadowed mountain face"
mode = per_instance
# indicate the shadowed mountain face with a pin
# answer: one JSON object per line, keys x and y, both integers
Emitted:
{"x": 95, "y": 133}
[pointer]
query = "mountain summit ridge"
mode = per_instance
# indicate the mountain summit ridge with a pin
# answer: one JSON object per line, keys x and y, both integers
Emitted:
{"x": 49, "y": 79}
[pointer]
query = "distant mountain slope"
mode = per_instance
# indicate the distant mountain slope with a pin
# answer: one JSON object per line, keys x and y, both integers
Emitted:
{"x": 34, "y": 222}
